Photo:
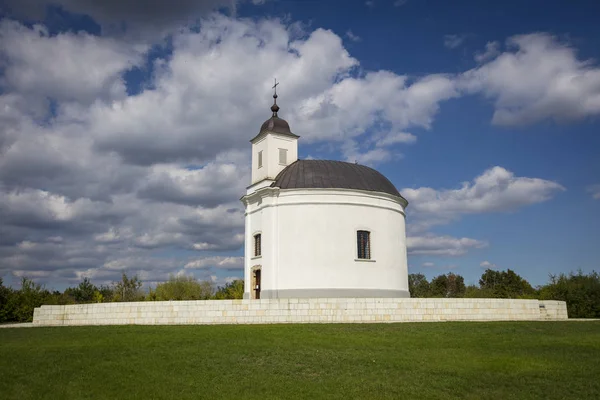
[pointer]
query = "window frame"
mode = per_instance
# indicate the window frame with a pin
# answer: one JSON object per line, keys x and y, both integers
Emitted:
{"x": 257, "y": 245}
{"x": 284, "y": 152}
{"x": 260, "y": 159}
{"x": 363, "y": 249}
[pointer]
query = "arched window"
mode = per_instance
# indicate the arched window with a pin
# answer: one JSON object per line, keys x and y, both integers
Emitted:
{"x": 257, "y": 249}
{"x": 363, "y": 239}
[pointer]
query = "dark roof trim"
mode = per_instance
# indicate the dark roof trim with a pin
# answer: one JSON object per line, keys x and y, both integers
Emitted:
{"x": 265, "y": 131}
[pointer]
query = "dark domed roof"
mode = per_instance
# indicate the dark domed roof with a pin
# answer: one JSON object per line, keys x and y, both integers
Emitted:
{"x": 276, "y": 124}
{"x": 327, "y": 174}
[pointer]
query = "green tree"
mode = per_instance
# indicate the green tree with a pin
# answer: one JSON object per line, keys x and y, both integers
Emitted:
{"x": 182, "y": 288}
{"x": 60, "y": 298}
{"x": 450, "y": 285}
{"x": 84, "y": 292}
{"x": 106, "y": 293}
{"x": 505, "y": 284}
{"x": 127, "y": 289}
{"x": 30, "y": 296}
{"x": 7, "y": 304}
{"x": 580, "y": 291}
{"x": 475, "y": 292}
{"x": 232, "y": 290}
{"x": 418, "y": 285}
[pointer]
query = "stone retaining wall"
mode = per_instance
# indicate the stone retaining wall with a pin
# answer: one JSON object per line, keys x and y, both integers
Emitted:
{"x": 269, "y": 311}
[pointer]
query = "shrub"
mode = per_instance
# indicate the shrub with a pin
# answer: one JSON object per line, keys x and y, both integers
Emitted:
{"x": 506, "y": 284}
{"x": 30, "y": 296}
{"x": 580, "y": 291}
{"x": 182, "y": 288}
{"x": 418, "y": 285}
{"x": 450, "y": 285}
{"x": 127, "y": 289}
{"x": 231, "y": 291}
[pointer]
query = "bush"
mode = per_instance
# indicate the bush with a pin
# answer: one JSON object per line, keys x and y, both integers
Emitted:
{"x": 21, "y": 304}
{"x": 418, "y": 286}
{"x": 475, "y": 292}
{"x": 450, "y": 285}
{"x": 7, "y": 305}
{"x": 127, "y": 289}
{"x": 231, "y": 291}
{"x": 182, "y": 288}
{"x": 581, "y": 292}
{"x": 506, "y": 284}
{"x": 84, "y": 292}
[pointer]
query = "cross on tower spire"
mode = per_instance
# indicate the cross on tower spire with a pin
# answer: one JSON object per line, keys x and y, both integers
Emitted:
{"x": 275, "y": 107}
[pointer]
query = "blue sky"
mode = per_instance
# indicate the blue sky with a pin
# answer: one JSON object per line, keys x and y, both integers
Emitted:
{"x": 125, "y": 129}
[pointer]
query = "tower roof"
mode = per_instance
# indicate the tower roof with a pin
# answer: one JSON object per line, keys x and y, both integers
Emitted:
{"x": 276, "y": 124}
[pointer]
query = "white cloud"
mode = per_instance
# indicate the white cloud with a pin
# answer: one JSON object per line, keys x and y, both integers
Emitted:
{"x": 454, "y": 41}
{"x": 488, "y": 265}
{"x": 219, "y": 262}
{"x": 495, "y": 190}
{"x": 538, "y": 78}
{"x": 433, "y": 245}
{"x": 208, "y": 186}
{"x": 154, "y": 20}
{"x": 391, "y": 138}
{"x": 66, "y": 67}
{"x": 491, "y": 51}
{"x": 428, "y": 264}
{"x": 594, "y": 190}
{"x": 352, "y": 36}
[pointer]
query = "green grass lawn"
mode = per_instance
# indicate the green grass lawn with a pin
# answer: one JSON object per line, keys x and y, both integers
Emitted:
{"x": 495, "y": 360}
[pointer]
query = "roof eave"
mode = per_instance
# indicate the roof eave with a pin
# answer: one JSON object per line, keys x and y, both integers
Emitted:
{"x": 266, "y": 131}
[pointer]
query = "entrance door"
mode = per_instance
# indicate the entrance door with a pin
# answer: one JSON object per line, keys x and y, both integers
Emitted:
{"x": 256, "y": 283}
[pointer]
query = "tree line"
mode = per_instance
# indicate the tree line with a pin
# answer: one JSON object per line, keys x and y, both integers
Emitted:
{"x": 16, "y": 305}
{"x": 580, "y": 291}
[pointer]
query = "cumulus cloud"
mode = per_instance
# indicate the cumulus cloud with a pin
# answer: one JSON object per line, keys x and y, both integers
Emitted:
{"x": 537, "y": 78}
{"x": 495, "y": 190}
{"x": 207, "y": 186}
{"x": 219, "y": 262}
{"x": 86, "y": 68}
{"x": 118, "y": 17}
{"x": 594, "y": 190}
{"x": 434, "y": 245}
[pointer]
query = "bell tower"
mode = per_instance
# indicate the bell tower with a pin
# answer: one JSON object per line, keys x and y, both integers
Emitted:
{"x": 274, "y": 148}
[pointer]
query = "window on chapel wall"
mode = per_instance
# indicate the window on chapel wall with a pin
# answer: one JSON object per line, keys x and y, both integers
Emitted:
{"x": 257, "y": 249}
{"x": 363, "y": 239}
{"x": 283, "y": 156}
{"x": 260, "y": 159}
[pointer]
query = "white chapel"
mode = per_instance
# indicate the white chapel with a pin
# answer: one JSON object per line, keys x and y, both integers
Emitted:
{"x": 316, "y": 228}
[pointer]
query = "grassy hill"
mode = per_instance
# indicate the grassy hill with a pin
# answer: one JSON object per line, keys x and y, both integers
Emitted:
{"x": 496, "y": 360}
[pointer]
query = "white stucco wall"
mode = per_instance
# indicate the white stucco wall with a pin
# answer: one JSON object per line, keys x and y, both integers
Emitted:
{"x": 270, "y": 143}
{"x": 309, "y": 246}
